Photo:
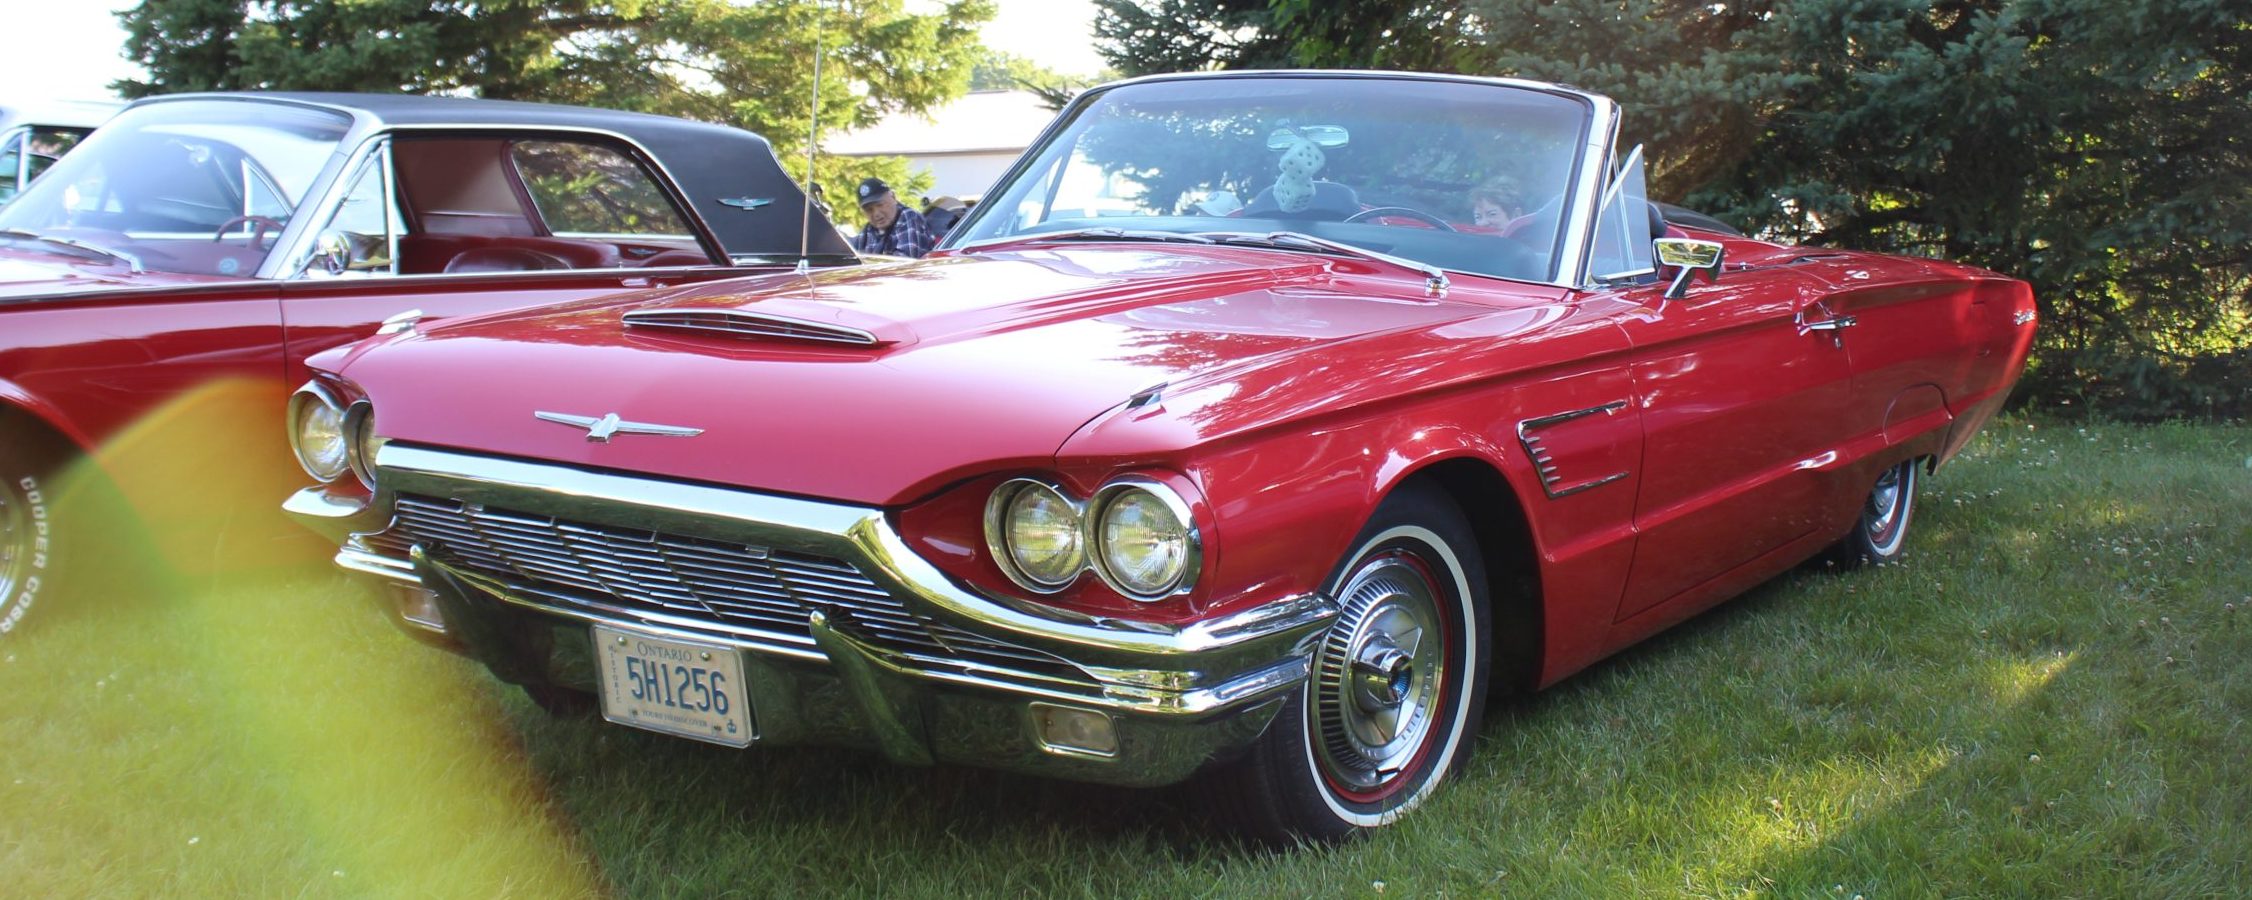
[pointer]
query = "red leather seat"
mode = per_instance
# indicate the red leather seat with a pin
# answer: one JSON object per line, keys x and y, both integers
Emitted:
{"x": 424, "y": 254}
{"x": 504, "y": 259}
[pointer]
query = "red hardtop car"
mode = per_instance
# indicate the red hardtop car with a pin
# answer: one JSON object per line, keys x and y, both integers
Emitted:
{"x": 161, "y": 286}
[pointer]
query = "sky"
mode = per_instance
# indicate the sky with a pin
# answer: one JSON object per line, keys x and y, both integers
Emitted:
{"x": 69, "y": 49}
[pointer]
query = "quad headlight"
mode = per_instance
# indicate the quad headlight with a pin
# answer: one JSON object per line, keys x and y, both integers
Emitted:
{"x": 1145, "y": 546}
{"x": 1036, "y": 533}
{"x": 1137, "y": 535}
{"x": 316, "y": 433}
{"x": 359, "y": 430}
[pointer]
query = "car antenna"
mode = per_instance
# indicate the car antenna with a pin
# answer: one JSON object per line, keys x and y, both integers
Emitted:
{"x": 812, "y": 143}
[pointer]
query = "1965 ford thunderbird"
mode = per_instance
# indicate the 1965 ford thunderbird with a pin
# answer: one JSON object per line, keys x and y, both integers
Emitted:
{"x": 1258, "y": 426}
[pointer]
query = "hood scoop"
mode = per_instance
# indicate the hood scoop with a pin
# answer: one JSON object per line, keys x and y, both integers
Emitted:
{"x": 746, "y": 324}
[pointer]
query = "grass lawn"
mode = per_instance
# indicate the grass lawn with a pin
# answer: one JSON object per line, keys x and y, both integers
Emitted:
{"x": 2048, "y": 698}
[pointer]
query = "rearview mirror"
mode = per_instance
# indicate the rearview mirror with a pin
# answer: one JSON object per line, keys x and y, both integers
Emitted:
{"x": 1688, "y": 257}
{"x": 1318, "y": 135}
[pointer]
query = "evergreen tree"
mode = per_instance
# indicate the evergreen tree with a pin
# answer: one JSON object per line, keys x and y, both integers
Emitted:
{"x": 2101, "y": 149}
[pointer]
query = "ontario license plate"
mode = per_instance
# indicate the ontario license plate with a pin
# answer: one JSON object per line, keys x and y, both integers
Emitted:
{"x": 684, "y": 688}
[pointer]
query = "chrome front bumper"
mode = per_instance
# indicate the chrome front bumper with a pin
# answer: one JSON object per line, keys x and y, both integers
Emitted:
{"x": 1178, "y": 695}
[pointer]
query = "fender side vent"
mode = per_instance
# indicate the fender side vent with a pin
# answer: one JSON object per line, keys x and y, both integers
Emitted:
{"x": 740, "y": 323}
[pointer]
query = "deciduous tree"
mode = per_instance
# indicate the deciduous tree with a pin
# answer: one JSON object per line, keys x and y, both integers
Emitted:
{"x": 749, "y": 65}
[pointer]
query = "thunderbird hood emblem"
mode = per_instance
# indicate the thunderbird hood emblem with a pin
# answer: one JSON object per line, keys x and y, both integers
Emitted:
{"x": 600, "y": 430}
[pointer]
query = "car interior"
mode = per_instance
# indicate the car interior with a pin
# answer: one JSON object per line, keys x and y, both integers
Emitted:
{"x": 493, "y": 204}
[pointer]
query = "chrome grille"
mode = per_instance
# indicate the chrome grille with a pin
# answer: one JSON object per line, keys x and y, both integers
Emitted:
{"x": 730, "y": 587}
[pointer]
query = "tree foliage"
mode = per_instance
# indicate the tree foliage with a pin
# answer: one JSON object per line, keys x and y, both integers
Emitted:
{"x": 2101, "y": 149}
{"x": 998, "y": 70}
{"x": 749, "y": 65}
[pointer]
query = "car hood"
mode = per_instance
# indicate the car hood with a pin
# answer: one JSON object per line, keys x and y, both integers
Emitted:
{"x": 980, "y": 363}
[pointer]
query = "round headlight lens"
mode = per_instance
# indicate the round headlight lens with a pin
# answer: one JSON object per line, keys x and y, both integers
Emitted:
{"x": 1147, "y": 547}
{"x": 317, "y": 434}
{"x": 359, "y": 427}
{"x": 1041, "y": 531}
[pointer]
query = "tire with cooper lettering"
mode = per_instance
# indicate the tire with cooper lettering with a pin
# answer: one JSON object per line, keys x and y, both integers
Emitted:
{"x": 29, "y": 526}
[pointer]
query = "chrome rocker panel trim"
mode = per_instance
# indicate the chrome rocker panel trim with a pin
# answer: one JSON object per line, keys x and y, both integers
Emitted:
{"x": 1141, "y": 668}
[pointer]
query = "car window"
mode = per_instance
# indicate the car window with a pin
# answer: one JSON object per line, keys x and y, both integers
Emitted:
{"x": 11, "y": 164}
{"x": 362, "y": 236}
{"x": 1622, "y": 228}
{"x": 1471, "y": 177}
{"x": 588, "y": 190}
{"x": 190, "y": 186}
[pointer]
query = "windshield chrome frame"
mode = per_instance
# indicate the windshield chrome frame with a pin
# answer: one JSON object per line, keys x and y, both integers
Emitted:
{"x": 1589, "y": 177}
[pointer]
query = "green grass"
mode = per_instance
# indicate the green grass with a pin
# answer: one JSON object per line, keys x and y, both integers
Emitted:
{"x": 2047, "y": 699}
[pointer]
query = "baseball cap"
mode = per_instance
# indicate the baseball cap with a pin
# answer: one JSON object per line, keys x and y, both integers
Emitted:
{"x": 871, "y": 189}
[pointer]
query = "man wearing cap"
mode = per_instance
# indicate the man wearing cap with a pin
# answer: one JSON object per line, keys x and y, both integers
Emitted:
{"x": 892, "y": 229}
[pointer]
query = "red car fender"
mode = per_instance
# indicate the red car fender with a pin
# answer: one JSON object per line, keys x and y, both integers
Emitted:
{"x": 13, "y": 396}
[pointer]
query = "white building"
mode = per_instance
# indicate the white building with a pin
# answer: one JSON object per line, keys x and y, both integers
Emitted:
{"x": 965, "y": 145}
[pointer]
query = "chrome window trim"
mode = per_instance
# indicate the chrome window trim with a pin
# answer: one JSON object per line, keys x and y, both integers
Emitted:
{"x": 1593, "y": 179}
{"x": 22, "y": 175}
{"x": 300, "y": 236}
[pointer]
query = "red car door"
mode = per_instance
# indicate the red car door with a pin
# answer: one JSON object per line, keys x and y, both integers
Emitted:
{"x": 1741, "y": 405}
{"x": 173, "y": 388}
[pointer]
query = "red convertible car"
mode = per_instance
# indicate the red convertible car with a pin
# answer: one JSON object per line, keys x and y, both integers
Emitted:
{"x": 161, "y": 286}
{"x": 1222, "y": 440}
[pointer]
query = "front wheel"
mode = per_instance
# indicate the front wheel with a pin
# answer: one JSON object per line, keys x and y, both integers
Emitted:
{"x": 27, "y": 531}
{"x": 1397, "y": 688}
{"x": 1880, "y": 535}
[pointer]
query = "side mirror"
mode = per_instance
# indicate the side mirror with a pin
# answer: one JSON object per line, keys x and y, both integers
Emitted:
{"x": 337, "y": 252}
{"x": 332, "y": 253}
{"x": 1688, "y": 257}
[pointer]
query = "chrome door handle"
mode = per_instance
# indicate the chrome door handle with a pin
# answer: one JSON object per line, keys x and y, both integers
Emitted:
{"x": 1827, "y": 324}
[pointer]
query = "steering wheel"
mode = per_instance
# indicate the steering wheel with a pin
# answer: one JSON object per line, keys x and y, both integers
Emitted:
{"x": 257, "y": 237}
{"x": 1402, "y": 211}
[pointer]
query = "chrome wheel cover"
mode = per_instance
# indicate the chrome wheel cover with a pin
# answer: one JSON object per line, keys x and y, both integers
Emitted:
{"x": 1379, "y": 675}
{"x": 15, "y": 540}
{"x": 1886, "y": 516}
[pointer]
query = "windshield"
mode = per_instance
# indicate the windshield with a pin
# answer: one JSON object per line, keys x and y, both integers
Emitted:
{"x": 197, "y": 187}
{"x": 1465, "y": 176}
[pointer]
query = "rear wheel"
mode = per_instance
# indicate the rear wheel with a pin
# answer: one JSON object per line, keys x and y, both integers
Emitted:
{"x": 1397, "y": 688}
{"x": 1880, "y": 535}
{"x": 28, "y": 528}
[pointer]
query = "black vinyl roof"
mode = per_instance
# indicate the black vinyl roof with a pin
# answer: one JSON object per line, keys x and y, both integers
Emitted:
{"x": 724, "y": 171}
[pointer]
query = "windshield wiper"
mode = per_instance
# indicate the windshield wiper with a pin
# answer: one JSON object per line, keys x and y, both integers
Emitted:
{"x": 1435, "y": 280}
{"x": 131, "y": 262}
{"x": 1095, "y": 234}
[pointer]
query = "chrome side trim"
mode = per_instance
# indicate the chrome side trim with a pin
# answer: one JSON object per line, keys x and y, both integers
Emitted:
{"x": 1544, "y": 465}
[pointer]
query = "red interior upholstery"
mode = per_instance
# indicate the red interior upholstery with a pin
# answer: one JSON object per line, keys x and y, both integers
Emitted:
{"x": 423, "y": 254}
{"x": 504, "y": 259}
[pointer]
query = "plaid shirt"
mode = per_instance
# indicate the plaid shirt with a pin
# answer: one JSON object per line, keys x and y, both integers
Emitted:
{"x": 908, "y": 235}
